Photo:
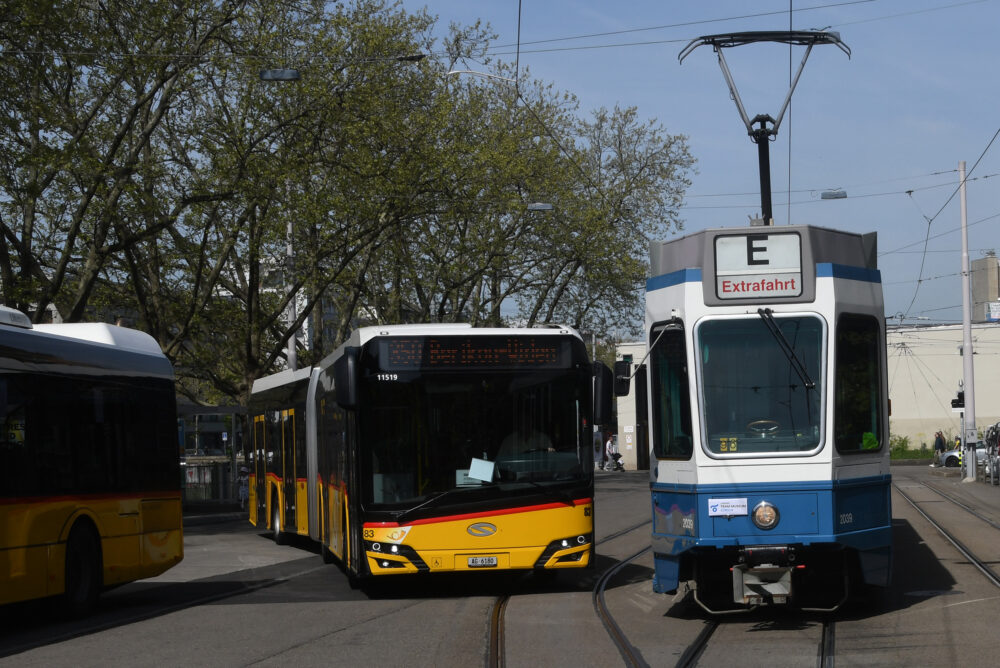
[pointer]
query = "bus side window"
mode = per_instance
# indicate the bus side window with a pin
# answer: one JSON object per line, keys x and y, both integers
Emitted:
{"x": 13, "y": 415}
{"x": 14, "y": 456}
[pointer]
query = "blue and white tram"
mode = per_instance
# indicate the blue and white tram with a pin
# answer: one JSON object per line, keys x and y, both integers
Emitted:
{"x": 768, "y": 416}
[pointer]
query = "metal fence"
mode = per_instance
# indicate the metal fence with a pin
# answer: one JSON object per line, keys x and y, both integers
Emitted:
{"x": 211, "y": 442}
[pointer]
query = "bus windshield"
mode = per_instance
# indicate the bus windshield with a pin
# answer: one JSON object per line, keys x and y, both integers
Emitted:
{"x": 458, "y": 435}
{"x": 762, "y": 384}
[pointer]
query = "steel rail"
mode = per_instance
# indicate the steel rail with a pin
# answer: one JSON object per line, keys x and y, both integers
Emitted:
{"x": 966, "y": 508}
{"x": 625, "y": 531}
{"x": 827, "y": 645}
{"x": 694, "y": 650}
{"x": 629, "y": 652}
{"x": 990, "y": 574}
{"x": 495, "y": 656}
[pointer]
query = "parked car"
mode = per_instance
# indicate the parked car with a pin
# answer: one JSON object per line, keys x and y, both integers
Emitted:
{"x": 951, "y": 457}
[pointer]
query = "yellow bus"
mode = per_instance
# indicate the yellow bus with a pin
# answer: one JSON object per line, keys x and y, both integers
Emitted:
{"x": 89, "y": 461}
{"x": 432, "y": 448}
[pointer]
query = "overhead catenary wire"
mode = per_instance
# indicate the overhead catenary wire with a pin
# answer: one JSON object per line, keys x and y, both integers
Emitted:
{"x": 931, "y": 220}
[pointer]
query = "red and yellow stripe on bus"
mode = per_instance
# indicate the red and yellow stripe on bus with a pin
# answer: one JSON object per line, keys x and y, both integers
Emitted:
{"x": 552, "y": 535}
{"x": 141, "y": 537}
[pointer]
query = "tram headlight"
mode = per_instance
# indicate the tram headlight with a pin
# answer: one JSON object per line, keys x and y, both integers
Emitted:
{"x": 765, "y": 516}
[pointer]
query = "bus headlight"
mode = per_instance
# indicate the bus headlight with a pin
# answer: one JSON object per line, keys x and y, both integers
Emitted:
{"x": 765, "y": 516}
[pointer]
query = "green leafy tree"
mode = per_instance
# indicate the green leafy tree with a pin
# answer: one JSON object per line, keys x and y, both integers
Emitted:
{"x": 148, "y": 174}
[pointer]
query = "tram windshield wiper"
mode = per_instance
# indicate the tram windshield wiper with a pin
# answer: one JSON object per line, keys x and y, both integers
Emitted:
{"x": 786, "y": 347}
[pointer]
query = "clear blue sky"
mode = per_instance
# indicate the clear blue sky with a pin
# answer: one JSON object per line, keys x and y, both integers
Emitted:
{"x": 920, "y": 93}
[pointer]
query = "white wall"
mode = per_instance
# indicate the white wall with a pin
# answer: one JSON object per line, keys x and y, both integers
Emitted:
{"x": 626, "y": 407}
{"x": 925, "y": 367}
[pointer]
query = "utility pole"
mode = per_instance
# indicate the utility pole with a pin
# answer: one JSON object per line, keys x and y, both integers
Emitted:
{"x": 969, "y": 434}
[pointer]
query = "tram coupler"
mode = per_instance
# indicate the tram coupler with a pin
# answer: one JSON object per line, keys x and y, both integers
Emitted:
{"x": 763, "y": 575}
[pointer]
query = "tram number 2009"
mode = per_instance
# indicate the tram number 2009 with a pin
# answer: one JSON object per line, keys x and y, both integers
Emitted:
{"x": 846, "y": 518}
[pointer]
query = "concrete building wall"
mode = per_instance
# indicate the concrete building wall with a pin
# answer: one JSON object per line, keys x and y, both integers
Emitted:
{"x": 629, "y": 438}
{"x": 925, "y": 367}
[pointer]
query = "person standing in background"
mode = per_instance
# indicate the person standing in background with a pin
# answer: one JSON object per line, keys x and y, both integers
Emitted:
{"x": 939, "y": 448}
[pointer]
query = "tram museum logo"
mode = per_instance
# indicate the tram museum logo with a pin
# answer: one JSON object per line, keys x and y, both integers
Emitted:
{"x": 758, "y": 265}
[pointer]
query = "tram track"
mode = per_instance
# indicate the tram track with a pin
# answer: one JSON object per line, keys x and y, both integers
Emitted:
{"x": 629, "y": 652}
{"x": 495, "y": 654}
{"x": 825, "y": 647}
{"x": 692, "y": 654}
{"x": 495, "y": 650}
{"x": 967, "y": 552}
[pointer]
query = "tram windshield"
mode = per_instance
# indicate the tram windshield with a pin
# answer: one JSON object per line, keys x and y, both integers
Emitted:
{"x": 432, "y": 437}
{"x": 762, "y": 383}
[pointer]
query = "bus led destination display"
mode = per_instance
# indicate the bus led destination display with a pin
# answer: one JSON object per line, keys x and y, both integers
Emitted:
{"x": 758, "y": 265}
{"x": 462, "y": 352}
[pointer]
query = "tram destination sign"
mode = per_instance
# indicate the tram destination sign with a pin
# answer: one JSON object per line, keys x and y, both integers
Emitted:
{"x": 758, "y": 265}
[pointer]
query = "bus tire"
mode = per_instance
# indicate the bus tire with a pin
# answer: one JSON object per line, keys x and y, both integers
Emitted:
{"x": 83, "y": 575}
{"x": 360, "y": 578}
{"x": 276, "y": 532}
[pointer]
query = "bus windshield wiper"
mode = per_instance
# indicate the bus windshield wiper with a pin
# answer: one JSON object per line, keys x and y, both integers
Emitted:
{"x": 766, "y": 315}
{"x": 431, "y": 500}
{"x": 555, "y": 494}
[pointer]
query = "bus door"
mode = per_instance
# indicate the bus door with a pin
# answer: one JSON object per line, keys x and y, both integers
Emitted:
{"x": 258, "y": 491}
{"x": 288, "y": 465}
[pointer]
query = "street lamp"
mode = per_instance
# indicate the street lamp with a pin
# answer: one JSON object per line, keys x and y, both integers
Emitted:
{"x": 485, "y": 75}
{"x": 540, "y": 206}
{"x": 837, "y": 193}
{"x": 290, "y": 74}
{"x": 280, "y": 75}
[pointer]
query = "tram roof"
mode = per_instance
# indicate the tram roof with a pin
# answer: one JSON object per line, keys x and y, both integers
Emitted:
{"x": 819, "y": 244}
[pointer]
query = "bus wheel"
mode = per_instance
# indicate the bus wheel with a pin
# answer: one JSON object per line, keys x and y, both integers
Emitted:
{"x": 276, "y": 532}
{"x": 360, "y": 578}
{"x": 83, "y": 571}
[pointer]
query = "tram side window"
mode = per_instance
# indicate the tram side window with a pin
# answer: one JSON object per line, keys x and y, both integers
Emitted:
{"x": 857, "y": 416}
{"x": 671, "y": 396}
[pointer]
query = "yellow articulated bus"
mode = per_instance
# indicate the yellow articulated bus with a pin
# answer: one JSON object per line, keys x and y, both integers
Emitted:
{"x": 432, "y": 448}
{"x": 89, "y": 461}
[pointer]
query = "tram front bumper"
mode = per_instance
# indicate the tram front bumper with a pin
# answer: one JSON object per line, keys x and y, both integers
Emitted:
{"x": 763, "y": 585}
{"x": 763, "y": 575}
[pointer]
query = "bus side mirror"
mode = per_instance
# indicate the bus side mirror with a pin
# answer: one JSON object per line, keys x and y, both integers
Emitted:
{"x": 603, "y": 382}
{"x": 623, "y": 377}
{"x": 345, "y": 378}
